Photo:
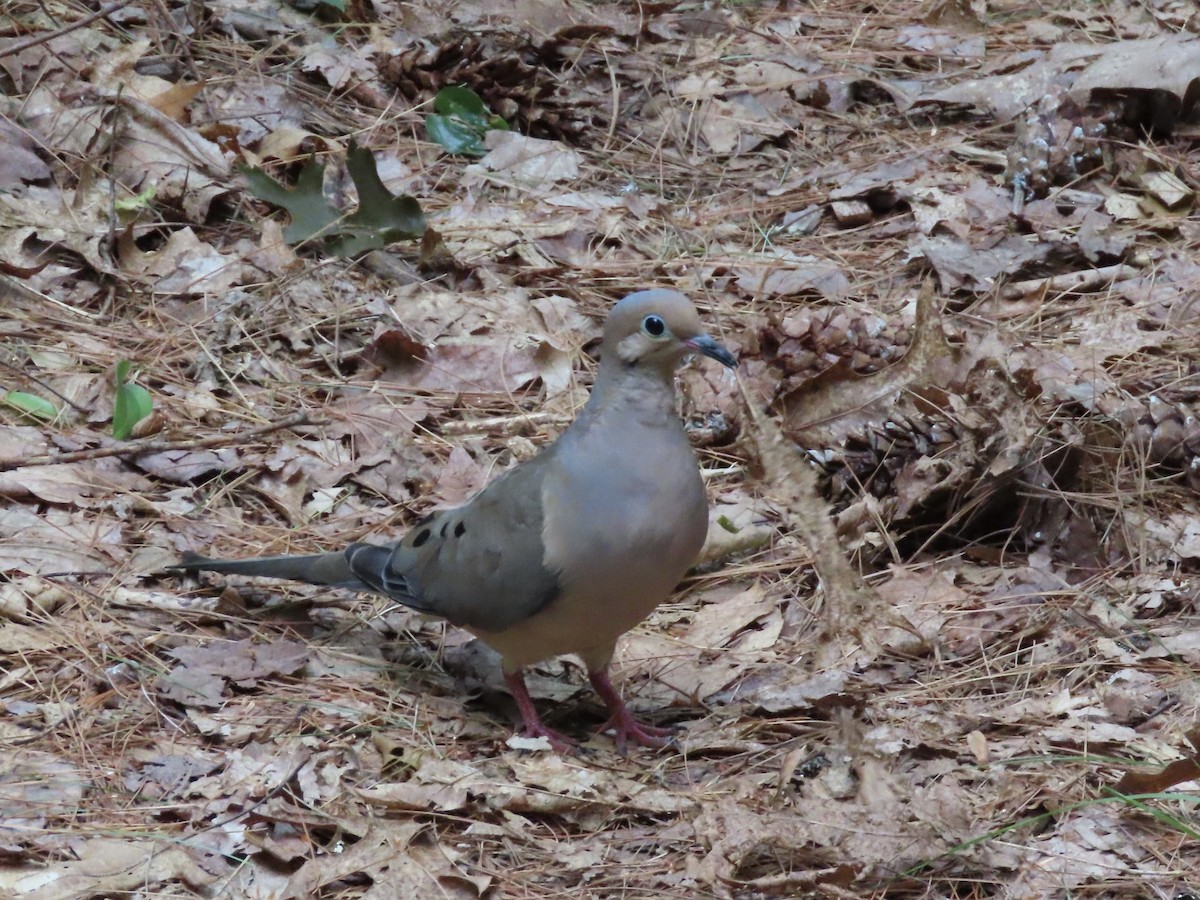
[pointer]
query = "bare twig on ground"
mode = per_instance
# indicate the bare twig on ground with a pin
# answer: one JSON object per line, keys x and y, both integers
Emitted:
{"x": 1086, "y": 280}
{"x": 156, "y": 445}
{"x": 101, "y": 13}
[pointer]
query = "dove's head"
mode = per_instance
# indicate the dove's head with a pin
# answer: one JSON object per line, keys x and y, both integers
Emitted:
{"x": 657, "y": 329}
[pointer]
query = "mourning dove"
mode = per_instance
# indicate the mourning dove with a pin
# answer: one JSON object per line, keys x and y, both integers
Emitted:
{"x": 567, "y": 551}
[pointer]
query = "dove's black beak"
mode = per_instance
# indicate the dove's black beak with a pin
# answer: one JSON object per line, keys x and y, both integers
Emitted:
{"x": 702, "y": 343}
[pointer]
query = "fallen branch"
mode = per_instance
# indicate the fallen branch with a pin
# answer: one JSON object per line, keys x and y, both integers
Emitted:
{"x": 1085, "y": 280}
{"x": 104, "y": 11}
{"x": 155, "y": 445}
{"x": 852, "y": 606}
{"x": 504, "y": 425}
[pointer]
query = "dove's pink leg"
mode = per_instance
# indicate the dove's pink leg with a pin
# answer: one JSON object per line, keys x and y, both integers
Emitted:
{"x": 531, "y": 722}
{"x": 621, "y": 720}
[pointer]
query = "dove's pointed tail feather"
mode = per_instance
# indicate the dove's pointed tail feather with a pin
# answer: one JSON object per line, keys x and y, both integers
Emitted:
{"x": 331, "y": 569}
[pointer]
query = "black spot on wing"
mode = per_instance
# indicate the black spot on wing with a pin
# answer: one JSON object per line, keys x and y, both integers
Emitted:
{"x": 460, "y": 529}
{"x": 372, "y": 565}
{"x": 422, "y": 537}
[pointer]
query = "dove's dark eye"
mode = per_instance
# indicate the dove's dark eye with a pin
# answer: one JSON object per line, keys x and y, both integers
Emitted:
{"x": 654, "y": 326}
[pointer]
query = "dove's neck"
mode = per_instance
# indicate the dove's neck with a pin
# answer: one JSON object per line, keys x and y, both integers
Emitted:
{"x": 644, "y": 392}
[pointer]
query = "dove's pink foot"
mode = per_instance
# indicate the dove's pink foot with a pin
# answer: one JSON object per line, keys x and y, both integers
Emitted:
{"x": 531, "y": 722}
{"x": 624, "y": 726}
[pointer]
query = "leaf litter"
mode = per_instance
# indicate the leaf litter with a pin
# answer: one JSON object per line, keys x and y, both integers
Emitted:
{"x": 953, "y": 246}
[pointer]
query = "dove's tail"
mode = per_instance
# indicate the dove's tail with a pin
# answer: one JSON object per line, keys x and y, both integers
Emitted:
{"x": 332, "y": 569}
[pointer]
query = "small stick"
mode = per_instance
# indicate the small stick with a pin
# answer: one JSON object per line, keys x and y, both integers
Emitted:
{"x": 12, "y": 49}
{"x": 505, "y": 425}
{"x": 78, "y": 407}
{"x": 155, "y": 445}
{"x": 1085, "y": 280}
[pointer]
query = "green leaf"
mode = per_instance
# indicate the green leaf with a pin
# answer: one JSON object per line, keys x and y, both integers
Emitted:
{"x": 312, "y": 214}
{"x": 456, "y": 137}
{"x": 382, "y": 218}
{"x": 727, "y": 524}
{"x": 31, "y": 405}
{"x": 459, "y": 101}
{"x": 460, "y": 121}
{"x": 131, "y": 404}
{"x": 137, "y": 201}
{"x": 323, "y": 9}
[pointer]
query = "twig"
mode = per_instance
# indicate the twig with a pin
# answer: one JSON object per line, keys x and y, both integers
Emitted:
{"x": 12, "y": 49}
{"x": 1085, "y": 280}
{"x": 78, "y": 407}
{"x": 155, "y": 445}
{"x": 504, "y": 425}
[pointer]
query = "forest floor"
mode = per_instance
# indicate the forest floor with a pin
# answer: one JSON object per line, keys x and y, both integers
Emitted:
{"x": 954, "y": 246}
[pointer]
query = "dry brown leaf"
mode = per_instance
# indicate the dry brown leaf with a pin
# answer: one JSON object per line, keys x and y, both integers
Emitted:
{"x": 103, "y": 865}
{"x": 202, "y": 674}
{"x": 524, "y": 161}
{"x": 1168, "y": 776}
{"x": 397, "y": 859}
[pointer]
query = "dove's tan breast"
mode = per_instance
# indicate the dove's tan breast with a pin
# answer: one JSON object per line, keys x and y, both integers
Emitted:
{"x": 621, "y": 528}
